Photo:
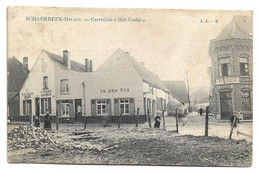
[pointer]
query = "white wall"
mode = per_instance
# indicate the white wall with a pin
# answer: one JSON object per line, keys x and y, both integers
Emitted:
{"x": 34, "y": 82}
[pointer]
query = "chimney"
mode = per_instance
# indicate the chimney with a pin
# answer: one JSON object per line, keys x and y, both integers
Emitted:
{"x": 66, "y": 59}
{"x": 25, "y": 62}
{"x": 87, "y": 65}
{"x": 90, "y": 66}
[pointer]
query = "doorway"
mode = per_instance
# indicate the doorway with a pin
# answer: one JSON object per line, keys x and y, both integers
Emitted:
{"x": 37, "y": 107}
{"x": 226, "y": 105}
{"x": 78, "y": 110}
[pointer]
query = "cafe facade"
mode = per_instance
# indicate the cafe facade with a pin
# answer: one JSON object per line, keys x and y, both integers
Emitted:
{"x": 121, "y": 86}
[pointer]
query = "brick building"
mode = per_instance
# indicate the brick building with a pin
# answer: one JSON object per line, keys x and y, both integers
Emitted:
{"x": 231, "y": 55}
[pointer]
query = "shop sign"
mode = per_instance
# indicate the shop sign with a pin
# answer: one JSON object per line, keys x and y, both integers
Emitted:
{"x": 27, "y": 95}
{"x": 45, "y": 92}
{"x": 119, "y": 90}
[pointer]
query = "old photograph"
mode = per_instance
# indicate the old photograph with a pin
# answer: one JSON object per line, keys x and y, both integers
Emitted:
{"x": 118, "y": 86}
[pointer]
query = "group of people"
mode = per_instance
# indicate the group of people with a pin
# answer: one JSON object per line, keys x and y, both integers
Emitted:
{"x": 47, "y": 122}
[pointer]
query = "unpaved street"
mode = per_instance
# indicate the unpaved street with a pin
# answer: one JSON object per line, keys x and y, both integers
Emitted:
{"x": 129, "y": 145}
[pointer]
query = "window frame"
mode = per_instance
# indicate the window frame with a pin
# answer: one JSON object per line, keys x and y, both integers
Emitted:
{"x": 224, "y": 73}
{"x": 64, "y": 84}
{"x": 246, "y": 99}
{"x": 101, "y": 104}
{"x": 65, "y": 103}
{"x": 124, "y": 104}
{"x": 45, "y": 82}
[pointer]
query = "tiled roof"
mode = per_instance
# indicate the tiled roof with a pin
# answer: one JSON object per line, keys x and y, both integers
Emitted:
{"x": 239, "y": 27}
{"x": 75, "y": 66}
{"x": 17, "y": 74}
{"x": 178, "y": 90}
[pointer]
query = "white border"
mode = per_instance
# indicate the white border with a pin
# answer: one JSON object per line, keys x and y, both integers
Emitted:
{"x": 160, "y": 4}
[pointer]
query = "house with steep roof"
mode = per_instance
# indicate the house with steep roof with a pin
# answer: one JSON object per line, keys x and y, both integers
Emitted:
{"x": 16, "y": 75}
{"x": 178, "y": 98}
{"x": 55, "y": 84}
{"x": 124, "y": 86}
{"x": 72, "y": 91}
{"x": 231, "y": 55}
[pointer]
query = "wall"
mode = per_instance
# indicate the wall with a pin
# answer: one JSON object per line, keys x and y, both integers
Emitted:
{"x": 34, "y": 83}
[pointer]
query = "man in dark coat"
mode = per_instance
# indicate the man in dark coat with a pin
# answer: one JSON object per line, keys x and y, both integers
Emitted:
{"x": 157, "y": 120}
{"x": 47, "y": 123}
{"x": 201, "y": 111}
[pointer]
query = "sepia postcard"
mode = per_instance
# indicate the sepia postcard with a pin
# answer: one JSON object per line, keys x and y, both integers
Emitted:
{"x": 155, "y": 87}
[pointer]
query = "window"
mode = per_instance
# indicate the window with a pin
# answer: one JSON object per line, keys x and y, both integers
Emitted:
{"x": 244, "y": 69}
{"x": 101, "y": 107}
{"x": 246, "y": 101}
{"x": 65, "y": 108}
{"x": 64, "y": 86}
{"x": 45, "y": 82}
{"x": 45, "y": 105}
{"x": 224, "y": 69}
{"x": 124, "y": 106}
{"x": 27, "y": 107}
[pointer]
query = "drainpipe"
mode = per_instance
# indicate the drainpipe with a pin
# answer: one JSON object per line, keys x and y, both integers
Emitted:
{"x": 84, "y": 98}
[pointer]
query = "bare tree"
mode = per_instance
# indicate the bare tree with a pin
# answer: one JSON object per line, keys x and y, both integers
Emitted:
{"x": 187, "y": 73}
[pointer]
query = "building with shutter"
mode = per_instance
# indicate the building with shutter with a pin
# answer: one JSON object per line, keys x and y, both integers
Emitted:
{"x": 55, "y": 84}
{"x": 121, "y": 85}
{"x": 231, "y": 55}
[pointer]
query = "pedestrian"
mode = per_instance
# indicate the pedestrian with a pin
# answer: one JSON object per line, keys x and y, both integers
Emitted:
{"x": 234, "y": 123}
{"x": 37, "y": 121}
{"x": 201, "y": 111}
{"x": 47, "y": 123}
{"x": 157, "y": 120}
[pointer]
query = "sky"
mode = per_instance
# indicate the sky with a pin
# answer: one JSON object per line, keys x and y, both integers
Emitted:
{"x": 168, "y": 42}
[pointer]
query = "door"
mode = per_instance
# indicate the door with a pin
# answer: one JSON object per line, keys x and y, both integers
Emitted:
{"x": 78, "y": 110}
{"x": 37, "y": 106}
{"x": 226, "y": 105}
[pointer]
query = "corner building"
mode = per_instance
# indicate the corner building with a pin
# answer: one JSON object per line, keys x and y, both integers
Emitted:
{"x": 231, "y": 55}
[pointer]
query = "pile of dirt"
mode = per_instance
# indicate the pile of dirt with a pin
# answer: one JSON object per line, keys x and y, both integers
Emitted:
{"x": 27, "y": 136}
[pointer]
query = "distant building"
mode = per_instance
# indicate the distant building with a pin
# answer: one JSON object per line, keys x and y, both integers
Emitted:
{"x": 231, "y": 55}
{"x": 16, "y": 75}
{"x": 121, "y": 85}
{"x": 178, "y": 98}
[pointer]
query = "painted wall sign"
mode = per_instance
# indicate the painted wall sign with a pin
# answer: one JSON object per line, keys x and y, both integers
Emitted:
{"x": 27, "y": 95}
{"x": 46, "y": 92}
{"x": 114, "y": 90}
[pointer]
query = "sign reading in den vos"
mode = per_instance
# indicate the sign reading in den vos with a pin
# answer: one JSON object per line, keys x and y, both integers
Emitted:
{"x": 114, "y": 90}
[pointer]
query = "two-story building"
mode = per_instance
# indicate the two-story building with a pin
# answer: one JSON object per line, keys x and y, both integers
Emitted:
{"x": 70, "y": 90}
{"x": 231, "y": 55}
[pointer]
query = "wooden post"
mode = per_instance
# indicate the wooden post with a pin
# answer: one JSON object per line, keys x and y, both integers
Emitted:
{"x": 119, "y": 121}
{"x": 163, "y": 120}
{"x": 207, "y": 122}
{"x": 137, "y": 118}
{"x": 177, "y": 126}
{"x": 57, "y": 121}
{"x": 233, "y": 125}
{"x": 85, "y": 126}
{"x": 149, "y": 119}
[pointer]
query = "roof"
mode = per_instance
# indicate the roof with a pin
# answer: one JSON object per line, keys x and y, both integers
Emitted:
{"x": 146, "y": 75}
{"x": 240, "y": 27}
{"x": 17, "y": 73}
{"x": 75, "y": 66}
{"x": 178, "y": 90}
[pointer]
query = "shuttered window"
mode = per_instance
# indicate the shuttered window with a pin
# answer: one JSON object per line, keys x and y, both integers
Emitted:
{"x": 100, "y": 107}
{"x": 126, "y": 106}
{"x": 65, "y": 107}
